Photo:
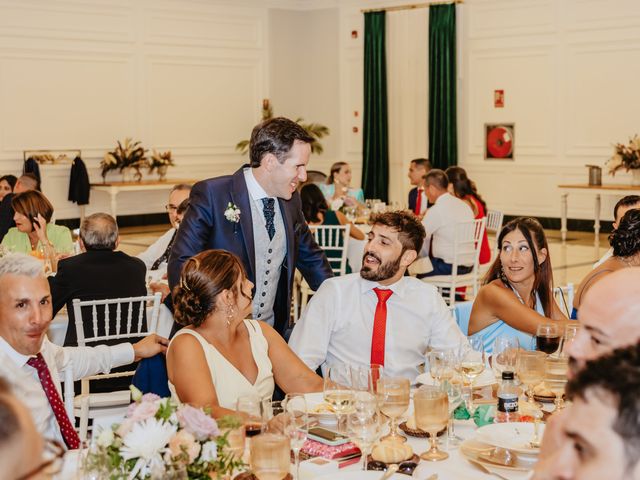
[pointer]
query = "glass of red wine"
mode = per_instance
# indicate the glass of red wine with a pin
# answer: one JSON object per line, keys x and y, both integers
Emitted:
{"x": 548, "y": 338}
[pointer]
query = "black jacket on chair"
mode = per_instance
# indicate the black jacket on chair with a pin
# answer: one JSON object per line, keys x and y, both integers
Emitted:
{"x": 79, "y": 186}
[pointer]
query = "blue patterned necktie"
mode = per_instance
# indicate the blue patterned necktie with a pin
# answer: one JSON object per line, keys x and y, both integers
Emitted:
{"x": 269, "y": 215}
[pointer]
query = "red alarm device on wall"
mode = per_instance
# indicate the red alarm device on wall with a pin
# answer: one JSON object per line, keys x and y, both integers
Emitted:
{"x": 499, "y": 141}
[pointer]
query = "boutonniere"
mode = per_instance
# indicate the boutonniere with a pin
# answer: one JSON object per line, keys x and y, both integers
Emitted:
{"x": 232, "y": 213}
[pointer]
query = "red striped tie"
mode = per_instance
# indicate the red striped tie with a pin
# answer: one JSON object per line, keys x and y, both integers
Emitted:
{"x": 379, "y": 327}
{"x": 69, "y": 433}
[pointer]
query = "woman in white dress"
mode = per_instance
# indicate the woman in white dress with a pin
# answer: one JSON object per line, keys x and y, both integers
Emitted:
{"x": 219, "y": 355}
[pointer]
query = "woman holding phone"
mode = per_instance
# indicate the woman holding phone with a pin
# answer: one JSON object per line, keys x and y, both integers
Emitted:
{"x": 33, "y": 231}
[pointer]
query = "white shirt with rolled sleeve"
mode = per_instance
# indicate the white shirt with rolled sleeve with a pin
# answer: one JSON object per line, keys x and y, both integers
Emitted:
{"x": 439, "y": 223}
{"x": 337, "y": 325}
{"x": 26, "y": 385}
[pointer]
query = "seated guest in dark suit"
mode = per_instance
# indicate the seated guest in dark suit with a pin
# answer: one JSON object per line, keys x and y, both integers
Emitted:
{"x": 418, "y": 200}
{"x": 26, "y": 182}
{"x": 98, "y": 273}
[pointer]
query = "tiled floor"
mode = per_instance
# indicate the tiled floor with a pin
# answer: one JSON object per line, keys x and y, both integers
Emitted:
{"x": 570, "y": 262}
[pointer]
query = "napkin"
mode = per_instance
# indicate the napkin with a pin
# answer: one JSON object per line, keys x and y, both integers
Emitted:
{"x": 483, "y": 415}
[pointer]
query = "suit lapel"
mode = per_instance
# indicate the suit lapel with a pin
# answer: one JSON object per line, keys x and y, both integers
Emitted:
{"x": 289, "y": 233}
{"x": 241, "y": 198}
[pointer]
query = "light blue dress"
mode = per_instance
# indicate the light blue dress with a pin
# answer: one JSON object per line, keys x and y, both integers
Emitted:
{"x": 329, "y": 190}
{"x": 490, "y": 333}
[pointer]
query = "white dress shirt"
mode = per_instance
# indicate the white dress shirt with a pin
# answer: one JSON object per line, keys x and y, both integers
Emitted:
{"x": 154, "y": 252}
{"x": 337, "y": 325}
{"x": 439, "y": 223}
{"x": 26, "y": 385}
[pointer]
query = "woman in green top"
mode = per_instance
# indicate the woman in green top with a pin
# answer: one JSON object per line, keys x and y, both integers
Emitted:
{"x": 33, "y": 232}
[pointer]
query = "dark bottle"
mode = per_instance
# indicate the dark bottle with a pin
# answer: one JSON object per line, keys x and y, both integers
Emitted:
{"x": 507, "y": 400}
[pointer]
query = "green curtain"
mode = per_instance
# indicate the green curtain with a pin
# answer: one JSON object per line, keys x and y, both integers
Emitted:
{"x": 375, "y": 168}
{"x": 443, "y": 134}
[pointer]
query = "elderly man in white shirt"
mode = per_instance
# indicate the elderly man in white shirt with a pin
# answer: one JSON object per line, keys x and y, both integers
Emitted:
{"x": 378, "y": 316}
{"x": 439, "y": 223}
{"x": 32, "y": 364}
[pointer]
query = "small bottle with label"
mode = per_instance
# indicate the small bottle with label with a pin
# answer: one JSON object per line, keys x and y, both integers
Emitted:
{"x": 507, "y": 400}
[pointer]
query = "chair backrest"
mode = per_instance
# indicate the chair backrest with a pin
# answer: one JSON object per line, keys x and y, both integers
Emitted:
{"x": 334, "y": 240}
{"x": 564, "y": 298}
{"x": 461, "y": 314}
{"x": 466, "y": 244}
{"x": 111, "y": 325}
{"x": 494, "y": 221}
{"x": 316, "y": 176}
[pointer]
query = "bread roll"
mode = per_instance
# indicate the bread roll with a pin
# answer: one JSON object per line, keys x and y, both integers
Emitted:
{"x": 391, "y": 452}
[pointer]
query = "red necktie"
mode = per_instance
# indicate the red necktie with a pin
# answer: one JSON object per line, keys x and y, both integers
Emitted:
{"x": 418, "y": 202}
{"x": 69, "y": 433}
{"x": 379, "y": 327}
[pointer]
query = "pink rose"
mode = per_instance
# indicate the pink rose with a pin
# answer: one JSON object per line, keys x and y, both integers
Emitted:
{"x": 197, "y": 422}
{"x": 149, "y": 397}
{"x": 183, "y": 441}
{"x": 142, "y": 411}
{"x": 125, "y": 427}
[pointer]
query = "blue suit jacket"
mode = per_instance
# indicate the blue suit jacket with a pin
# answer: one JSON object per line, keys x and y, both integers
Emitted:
{"x": 205, "y": 227}
{"x": 413, "y": 196}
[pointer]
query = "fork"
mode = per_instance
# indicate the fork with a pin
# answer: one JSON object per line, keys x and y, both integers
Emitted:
{"x": 485, "y": 469}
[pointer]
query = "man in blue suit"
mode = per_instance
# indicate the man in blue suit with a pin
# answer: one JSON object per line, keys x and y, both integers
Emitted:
{"x": 256, "y": 214}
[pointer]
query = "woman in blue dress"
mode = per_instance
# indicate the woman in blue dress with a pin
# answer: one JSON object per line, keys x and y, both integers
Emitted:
{"x": 338, "y": 186}
{"x": 518, "y": 292}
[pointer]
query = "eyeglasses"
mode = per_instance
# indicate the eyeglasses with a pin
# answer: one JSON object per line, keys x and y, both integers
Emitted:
{"x": 52, "y": 462}
{"x": 405, "y": 467}
{"x": 170, "y": 208}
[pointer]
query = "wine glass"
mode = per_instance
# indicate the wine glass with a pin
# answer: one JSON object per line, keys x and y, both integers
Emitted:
{"x": 296, "y": 424}
{"x": 250, "y": 409}
{"x": 472, "y": 361}
{"x": 432, "y": 415}
{"x": 393, "y": 398}
{"x": 269, "y": 456}
{"x": 337, "y": 390}
{"x": 365, "y": 378}
{"x": 364, "y": 430}
{"x": 530, "y": 366}
{"x": 547, "y": 337}
{"x": 504, "y": 354}
{"x": 570, "y": 333}
{"x": 441, "y": 365}
{"x": 556, "y": 378}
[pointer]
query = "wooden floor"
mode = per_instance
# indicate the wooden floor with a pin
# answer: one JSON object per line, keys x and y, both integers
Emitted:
{"x": 570, "y": 262}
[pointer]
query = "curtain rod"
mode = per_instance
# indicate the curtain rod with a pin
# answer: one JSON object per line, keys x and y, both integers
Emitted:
{"x": 408, "y": 7}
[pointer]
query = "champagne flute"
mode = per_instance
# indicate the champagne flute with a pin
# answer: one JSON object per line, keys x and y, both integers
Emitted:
{"x": 393, "y": 398}
{"x": 250, "y": 409}
{"x": 432, "y": 415}
{"x": 530, "y": 366}
{"x": 296, "y": 424}
{"x": 547, "y": 337}
{"x": 364, "y": 430}
{"x": 504, "y": 354}
{"x": 454, "y": 395}
{"x": 472, "y": 361}
{"x": 337, "y": 390}
{"x": 270, "y": 456}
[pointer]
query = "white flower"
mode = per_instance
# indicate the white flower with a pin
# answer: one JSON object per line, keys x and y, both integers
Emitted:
{"x": 105, "y": 438}
{"x": 337, "y": 204}
{"x": 232, "y": 213}
{"x": 209, "y": 452}
{"x": 147, "y": 439}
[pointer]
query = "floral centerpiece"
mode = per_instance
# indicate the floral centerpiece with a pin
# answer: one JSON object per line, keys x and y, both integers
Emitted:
{"x": 161, "y": 162}
{"x": 626, "y": 157}
{"x": 159, "y": 440}
{"x": 126, "y": 155}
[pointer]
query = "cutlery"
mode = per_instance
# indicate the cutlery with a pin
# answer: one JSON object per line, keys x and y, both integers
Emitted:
{"x": 432, "y": 477}
{"x": 390, "y": 471}
{"x": 500, "y": 456}
{"x": 485, "y": 469}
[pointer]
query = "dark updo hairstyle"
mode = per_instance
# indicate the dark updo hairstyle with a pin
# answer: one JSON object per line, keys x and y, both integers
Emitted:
{"x": 462, "y": 185}
{"x": 625, "y": 239}
{"x": 536, "y": 240}
{"x": 313, "y": 202}
{"x": 203, "y": 278}
{"x": 10, "y": 179}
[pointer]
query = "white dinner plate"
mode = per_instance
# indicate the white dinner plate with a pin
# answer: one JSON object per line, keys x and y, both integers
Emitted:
{"x": 360, "y": 475}
{"x": 485, "y": 379}
{"x": 514, "y": 436}
{"x": 314, "y": 399}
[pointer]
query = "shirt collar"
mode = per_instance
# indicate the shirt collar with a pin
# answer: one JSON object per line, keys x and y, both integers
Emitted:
{"x": 255, "y": 189}
{"x": 397, "y": 288}
{"x": 442, "y": 197}
{"x": 19, "y": 359}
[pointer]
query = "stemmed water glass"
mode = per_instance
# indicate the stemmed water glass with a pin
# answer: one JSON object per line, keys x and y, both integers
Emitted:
{"x": 441, "y": 365}
{"x": 432, "y": 414}
{"x": 251, "y": 406}
{"x": 337, "y": 390}
{"x": 504, "y": 354}
{"x": 393, "y": 399}
{"x": 472, "y": 362}
{"x": 296, "y": 424}
{"x": 270, "y": 456}
{"x": 556, "y": 378}
{"x": 530, "y": 367}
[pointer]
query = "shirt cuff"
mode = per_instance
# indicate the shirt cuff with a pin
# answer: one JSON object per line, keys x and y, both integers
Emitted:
{"x": 121, "y": 354}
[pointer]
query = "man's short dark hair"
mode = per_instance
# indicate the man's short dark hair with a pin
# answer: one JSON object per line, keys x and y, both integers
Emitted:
{"x": 617, "y": 373}
{"x": 410, "y": 230}
{"x": 99, "y": 232}
{"x": 627, "y": 201}
{"x": 275, "y": 136}
{"x": 437, "y": 178}
{"x": 180, "y": 187}
{"x": 422, "y": 162}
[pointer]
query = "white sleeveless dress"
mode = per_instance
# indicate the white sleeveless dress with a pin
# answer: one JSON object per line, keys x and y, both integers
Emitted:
{"x": 228, "y": 381}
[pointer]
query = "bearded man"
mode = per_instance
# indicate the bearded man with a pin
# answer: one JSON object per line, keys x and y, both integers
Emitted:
{"x": 378, "y": 316}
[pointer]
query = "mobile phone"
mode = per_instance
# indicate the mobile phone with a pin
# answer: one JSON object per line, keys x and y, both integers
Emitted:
{"x": 326, "y": 436}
